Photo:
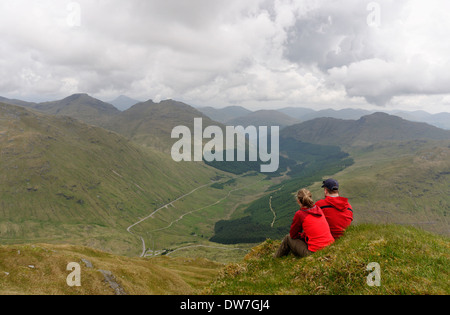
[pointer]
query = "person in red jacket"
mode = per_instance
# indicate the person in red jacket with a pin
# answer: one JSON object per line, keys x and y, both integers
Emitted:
{"x": 309, "y": 230}
{"x": 337, "y": 210}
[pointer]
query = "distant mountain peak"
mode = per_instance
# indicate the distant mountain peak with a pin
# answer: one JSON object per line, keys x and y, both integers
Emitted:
{"x": 80, "y": 106}
{"x": 123, "y": 102}
{"x": 78, "y": 95}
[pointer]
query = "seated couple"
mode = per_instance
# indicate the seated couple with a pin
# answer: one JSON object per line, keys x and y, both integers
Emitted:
{"x": 317, "y": 225}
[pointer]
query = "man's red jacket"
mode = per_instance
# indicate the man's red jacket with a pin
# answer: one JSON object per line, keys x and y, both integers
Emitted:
{"x": 339, "y": 214}
{"x": 311, "y": 226}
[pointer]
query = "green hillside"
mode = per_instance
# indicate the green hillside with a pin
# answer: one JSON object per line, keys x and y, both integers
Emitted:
{"x": 65, "y": 181}
{"x": 146, "y": 123}
{"x": 411, "y": 262}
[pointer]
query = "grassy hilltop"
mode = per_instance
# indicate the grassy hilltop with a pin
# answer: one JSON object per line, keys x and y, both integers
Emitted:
{"x": 412, "y": 262}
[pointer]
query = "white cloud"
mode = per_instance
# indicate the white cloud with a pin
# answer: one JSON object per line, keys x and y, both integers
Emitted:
{"x": 258, "y": 53}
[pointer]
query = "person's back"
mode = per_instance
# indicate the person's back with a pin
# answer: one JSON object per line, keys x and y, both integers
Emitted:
{"x": 309, "y": 231}
{"x": 337, "y": 209}
{"x": 315, "y": 228}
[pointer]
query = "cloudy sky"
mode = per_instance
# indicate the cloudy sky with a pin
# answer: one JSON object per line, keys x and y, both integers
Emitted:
{"x": 254, "y": 53}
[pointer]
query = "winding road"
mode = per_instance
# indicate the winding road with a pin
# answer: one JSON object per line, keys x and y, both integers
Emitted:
{"x": 156, "y": 211}
{"x": 144, "y": 248}
{"x": 205, "y": 207}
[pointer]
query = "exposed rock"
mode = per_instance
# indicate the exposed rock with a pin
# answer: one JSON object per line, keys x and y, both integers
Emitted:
{"x": 111, "y": 280}
{"x": 87, "y": 263}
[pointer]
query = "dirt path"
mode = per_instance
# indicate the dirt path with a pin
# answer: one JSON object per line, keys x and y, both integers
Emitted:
{"x": 273, "y": 211}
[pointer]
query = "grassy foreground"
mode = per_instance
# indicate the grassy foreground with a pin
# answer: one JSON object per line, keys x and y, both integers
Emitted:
{"x": 42, "y": 270}
{"x": 412, "y": 262}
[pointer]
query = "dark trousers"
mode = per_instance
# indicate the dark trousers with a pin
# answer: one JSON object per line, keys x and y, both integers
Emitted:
{"x": 298, "y": 247}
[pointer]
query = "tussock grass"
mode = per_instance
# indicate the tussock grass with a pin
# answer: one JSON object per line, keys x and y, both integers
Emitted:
{"x": 41, "y": 270}
{"x": 412, "y": 262}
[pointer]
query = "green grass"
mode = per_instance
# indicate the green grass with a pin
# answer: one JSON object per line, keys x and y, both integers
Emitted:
{"x": 412, "y": 261}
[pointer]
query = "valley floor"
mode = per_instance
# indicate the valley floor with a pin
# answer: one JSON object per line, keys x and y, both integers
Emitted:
{"x": 184, "y": 226}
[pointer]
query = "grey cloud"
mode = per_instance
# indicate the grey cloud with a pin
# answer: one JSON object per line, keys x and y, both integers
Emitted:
{"x": 257, "y": 52}
{"x": 333, "y": 34}
{"x": 374, "y": 63}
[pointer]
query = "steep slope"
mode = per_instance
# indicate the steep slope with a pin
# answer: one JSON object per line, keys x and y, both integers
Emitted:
{"x": 147, "y": 123}
{"x": 411, "y": 262}
{"x": 365, "y": 131}
{"x": 82, "y": 107}
{"x": 65, "y": 181}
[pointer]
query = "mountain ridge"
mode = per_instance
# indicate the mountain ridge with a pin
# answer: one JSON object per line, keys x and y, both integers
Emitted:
{"x": 224, "y": 115}
{"x": 264, "y": 118}
{"x": 364, "y": 131}
{"x": 151, "y": 124}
